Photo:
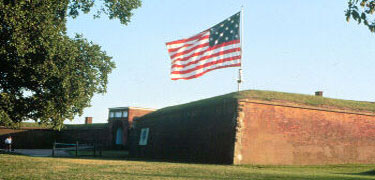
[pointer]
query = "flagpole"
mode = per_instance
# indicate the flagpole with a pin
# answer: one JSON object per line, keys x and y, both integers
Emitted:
{"x": 239, "y": 81}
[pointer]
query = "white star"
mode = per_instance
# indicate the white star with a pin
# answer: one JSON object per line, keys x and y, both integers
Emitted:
{"x": 226, "y": 28}
{"x": 217, "y": 41}
{"x": 221, "y": 25}
{"x": 236, "y": 25}
{"x": 226, "y": 38}
{"x": 231, "y": 31}
{"x": 236, "y": 35}
{"x": 221, "y": 34}
{"x": 228, "y": 19}
{"x": 232, "y": 21}
{"x": 216, "y": 32}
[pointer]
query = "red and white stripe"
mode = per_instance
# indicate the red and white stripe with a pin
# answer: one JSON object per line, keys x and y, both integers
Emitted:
{"x": 192, "y": 57}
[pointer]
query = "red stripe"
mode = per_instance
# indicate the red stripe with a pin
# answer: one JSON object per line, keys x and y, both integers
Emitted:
{"x": 187, "y": 45}
{"x": 204, "y": 72}
{"x": 207, "y": 57}
{"x": 202, "y": 52}
{"x": 190, "y": 50}
{"x": 188, "y": 39}
{"x": 207, "y": 64}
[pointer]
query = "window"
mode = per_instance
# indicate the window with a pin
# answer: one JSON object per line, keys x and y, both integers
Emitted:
{"x": 143, "y": 136}
{"x": 118, "y": 114}
{"x": 111, "y": 114}
{"x": 125, "y": 114}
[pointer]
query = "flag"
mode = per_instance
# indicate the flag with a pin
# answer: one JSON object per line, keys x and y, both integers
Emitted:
{"x": 215, "y": 48}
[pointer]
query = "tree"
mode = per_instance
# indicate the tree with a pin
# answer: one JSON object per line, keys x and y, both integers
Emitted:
{"x": 362, "y": 13}
{"x": 45, "y": 75}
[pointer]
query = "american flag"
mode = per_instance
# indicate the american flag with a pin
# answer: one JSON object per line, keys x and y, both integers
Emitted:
{"x": 215, "y": 48}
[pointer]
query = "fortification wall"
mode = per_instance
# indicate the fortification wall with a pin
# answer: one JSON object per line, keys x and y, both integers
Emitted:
{"x": 135, "y": 113}
{"x": 42, "y": 138}
{"x": 85, "y": 136}
{"x": 28, "y": 138}
{"x": 297, "y": 135}
{"x": 199, "y": 133}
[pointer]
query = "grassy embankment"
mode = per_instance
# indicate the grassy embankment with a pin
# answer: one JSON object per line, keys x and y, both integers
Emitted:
{"x": 23, "y": 167}
{"x": 273, "y": 96}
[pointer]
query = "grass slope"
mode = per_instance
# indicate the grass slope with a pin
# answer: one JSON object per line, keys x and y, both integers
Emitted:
{"x": 24, "y": 167}
{"x": 86, "y": 126}
{"x": 302, "y": 99}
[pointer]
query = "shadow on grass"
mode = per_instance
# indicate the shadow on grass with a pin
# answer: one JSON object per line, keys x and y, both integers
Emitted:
{"x": 366, "y": 173}
{"x": 9, "y": 152}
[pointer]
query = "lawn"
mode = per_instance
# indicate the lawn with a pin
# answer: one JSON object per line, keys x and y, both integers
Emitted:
{"x": 24, "y": 167}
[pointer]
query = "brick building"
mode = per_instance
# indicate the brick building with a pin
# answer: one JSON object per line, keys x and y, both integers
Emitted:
{"x": 113, "y": 134}
{"x": 259, "y": 127}
{"x": 120, "y": 120}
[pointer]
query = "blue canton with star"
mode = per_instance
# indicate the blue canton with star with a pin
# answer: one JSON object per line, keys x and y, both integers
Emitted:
{"x": 227, "y": 30}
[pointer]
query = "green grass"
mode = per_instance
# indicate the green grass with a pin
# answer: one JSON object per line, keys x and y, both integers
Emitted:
{"x": 271, "y": 96}
{"x": 24, "y": 167}
{"x": 86, "y": 126}
{"x": 306, "y": 100}
{"x": 34, "y": 125}
{"x": 66, "y": 126}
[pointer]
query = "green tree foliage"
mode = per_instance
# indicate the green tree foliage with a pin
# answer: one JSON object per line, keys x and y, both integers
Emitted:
{"x": 45, "y": 75}
{"x": 362, "y": 11}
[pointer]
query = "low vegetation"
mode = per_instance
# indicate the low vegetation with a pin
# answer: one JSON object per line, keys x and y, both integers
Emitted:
{"x": 24, "y": 167}
{"x": 306, "y": 100}
{"x": 302, "y": 99}
{"x": 86, "y": 126}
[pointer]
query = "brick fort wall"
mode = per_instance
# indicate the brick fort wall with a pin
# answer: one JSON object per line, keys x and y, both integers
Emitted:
{"x": 98, "y": 136}
{"x": 202, "y": 133}
{"x": 28, "y": 138}
{"x": 279, "y": 134}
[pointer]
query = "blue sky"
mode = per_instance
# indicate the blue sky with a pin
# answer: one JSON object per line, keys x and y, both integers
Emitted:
{"x": 289, "y": 46}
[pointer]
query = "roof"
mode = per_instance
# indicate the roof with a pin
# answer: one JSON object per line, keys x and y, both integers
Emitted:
{"x": 273, "y": 96}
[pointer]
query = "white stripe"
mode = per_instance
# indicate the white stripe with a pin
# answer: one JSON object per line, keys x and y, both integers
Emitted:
{"x": 207, "y": 53}
{"x": 237, "y": 53}
{"x": 173, "y": 46}
{"x": 198, "y": 71}
{"x": 182, "y": 49}
{"x": 204, "y": 48}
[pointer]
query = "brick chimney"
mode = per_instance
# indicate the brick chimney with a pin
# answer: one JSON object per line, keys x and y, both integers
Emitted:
{"x": 88, "y": 120}
{"x": 318, "y": 93}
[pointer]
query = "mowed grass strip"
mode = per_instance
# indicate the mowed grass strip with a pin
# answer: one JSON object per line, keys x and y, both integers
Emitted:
{"x": 24, "y": 167}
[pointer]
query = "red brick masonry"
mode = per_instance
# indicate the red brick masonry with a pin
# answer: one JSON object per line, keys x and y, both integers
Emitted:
{"x": 298, "y": 135}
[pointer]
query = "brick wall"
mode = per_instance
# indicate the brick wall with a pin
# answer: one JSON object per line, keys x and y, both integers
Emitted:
{"x": 137, "y": 113}
{"x": 203, "y": 133}
{"x": 28, "y": 138}
{"x": 278, "y": 134}
{"x": 40, "y": 138}
{"x": 125, "y": 123}
{"x": 85, "y": 136}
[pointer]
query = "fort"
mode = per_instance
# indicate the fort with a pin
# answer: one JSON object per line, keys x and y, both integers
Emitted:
{"x": 260, "y": 127}
{"x": 247, "y": 127}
